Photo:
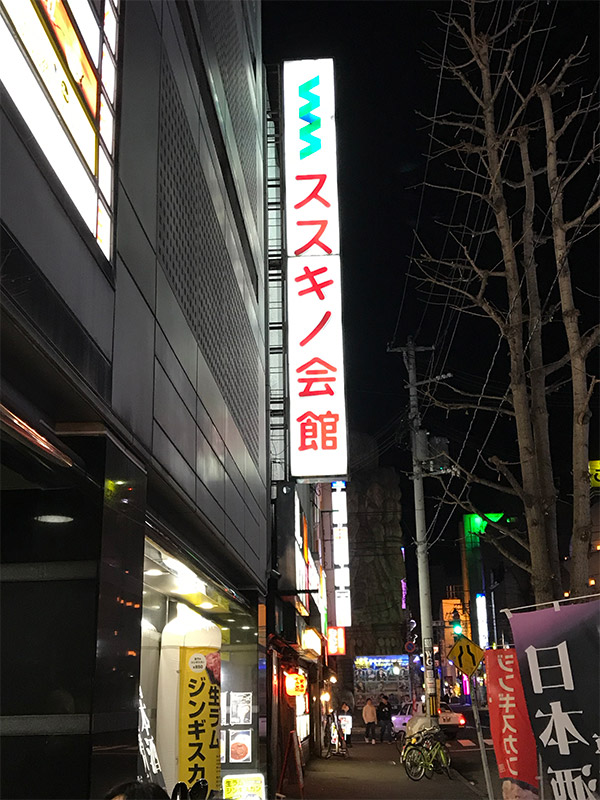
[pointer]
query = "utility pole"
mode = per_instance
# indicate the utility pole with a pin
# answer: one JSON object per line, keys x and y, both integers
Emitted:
{"x": 420, "y": 454}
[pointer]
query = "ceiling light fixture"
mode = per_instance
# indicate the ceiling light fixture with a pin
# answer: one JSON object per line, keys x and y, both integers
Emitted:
{"x": 54, "y": 519}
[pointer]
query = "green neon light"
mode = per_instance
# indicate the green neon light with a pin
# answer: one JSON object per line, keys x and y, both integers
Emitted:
{"x": 475, "y": 525}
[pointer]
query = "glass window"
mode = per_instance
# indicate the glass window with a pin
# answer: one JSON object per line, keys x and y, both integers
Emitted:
{"x": 191, "y": 623}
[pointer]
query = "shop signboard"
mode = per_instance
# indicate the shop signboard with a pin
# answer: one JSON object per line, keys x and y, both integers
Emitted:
{"x": 244, "y": 787}
{"x": 199, "y": 716}
{"x": 336, "y": 641}
{"x": 147, "y": 745}
{"x": 374, "y": 675}
{"x": 317, "y": 420}
{"x": 557, "y": 650}
{"x": 514, "y": 744}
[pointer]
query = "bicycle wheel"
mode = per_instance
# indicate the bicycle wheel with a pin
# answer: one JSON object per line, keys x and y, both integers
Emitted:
{"x": 400, "y": 742}
{"x": 442, "y": 757}
{"x": 414, "y": 763}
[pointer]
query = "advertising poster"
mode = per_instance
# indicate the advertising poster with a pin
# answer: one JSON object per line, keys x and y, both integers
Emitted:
{"x": 374, "y": 675}
{"x": 240, "y": 746}
{"x": 244, "y": 787}
{"x": 240, "y": 709}
{"x": 557, "y": 649}
{"x": 514, "y": 744}
{"x": 199, "y": 715}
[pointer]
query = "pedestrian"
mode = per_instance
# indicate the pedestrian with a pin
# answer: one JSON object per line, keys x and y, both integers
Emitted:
{"x": 384, "y": 712}
{"x": 137, "y": 790}
{"x": 369, "y": 714}
{"x": 347, "y": 723}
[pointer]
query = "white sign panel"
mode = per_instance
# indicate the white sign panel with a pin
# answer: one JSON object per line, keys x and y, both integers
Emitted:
{"x": 343, "y": 608}
{"x": 315, "y": 347}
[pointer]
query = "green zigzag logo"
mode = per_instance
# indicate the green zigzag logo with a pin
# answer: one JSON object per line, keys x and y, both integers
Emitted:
{"x": 313, "y": 101}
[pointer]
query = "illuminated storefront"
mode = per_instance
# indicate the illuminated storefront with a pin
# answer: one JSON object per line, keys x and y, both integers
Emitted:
{"x": 198, "y": 674}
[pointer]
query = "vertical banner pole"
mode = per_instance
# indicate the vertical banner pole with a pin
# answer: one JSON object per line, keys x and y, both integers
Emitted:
{"x": 484, "y": 761}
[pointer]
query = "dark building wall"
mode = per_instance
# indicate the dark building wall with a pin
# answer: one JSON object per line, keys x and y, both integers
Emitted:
{"x": 176, "y": 323}
{"x": 189, "y": 319}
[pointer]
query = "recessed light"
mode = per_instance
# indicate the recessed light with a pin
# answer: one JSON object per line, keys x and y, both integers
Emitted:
{"x": 54, "y": 519}
{"x": 207, "y": 604}
{"x": 230, "y": 620}
{"x": 245, "y": 627}
{"x": 153, "y": 572}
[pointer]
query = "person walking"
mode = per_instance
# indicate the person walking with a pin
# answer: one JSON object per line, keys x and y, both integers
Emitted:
{"x": 369, "y": 715}
{"x": 384, "y": 712}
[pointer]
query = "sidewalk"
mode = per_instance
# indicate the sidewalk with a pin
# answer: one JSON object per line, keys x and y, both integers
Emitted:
{"x": 374, "y": 772}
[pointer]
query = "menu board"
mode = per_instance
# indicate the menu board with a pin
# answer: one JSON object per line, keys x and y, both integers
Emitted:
{"x": 236, "y": 743}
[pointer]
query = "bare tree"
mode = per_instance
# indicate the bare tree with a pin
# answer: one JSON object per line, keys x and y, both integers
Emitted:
{"x": 521, "y": 149}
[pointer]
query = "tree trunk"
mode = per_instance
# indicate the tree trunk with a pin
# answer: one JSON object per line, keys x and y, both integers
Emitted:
{"x": 539, "y": 406}
{"x": 540, "y": 560}
{"x": 582, "y": 524}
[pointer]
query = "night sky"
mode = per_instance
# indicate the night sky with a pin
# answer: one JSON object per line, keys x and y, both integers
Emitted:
{"x": 381, "y": 81}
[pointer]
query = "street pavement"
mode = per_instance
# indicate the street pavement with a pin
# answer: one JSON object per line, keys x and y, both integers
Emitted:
{"x": 374, "y": 772}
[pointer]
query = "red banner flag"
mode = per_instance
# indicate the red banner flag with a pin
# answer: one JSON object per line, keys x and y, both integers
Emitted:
{"x": 514, "y": 743}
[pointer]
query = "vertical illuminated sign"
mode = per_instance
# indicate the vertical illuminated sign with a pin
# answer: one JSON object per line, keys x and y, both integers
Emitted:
{"x": 336, "y": 641}
{"x": 482, "y": 622}
{"x": 341, "y": 555}
{"x": 317, "y": 420}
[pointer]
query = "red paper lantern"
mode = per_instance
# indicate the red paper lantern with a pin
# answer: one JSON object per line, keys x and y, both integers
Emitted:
{"x": 295, "y": 684}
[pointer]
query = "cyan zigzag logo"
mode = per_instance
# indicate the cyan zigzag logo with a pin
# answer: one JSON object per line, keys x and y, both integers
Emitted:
{"x": 313, "y": 123}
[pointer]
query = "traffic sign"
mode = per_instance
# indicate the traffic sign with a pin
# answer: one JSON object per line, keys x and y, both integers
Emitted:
{"x": 466, "y": 655}
{"x": 410, "y": 647}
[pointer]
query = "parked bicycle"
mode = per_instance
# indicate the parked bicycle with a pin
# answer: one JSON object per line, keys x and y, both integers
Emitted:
{"x": 425, "y": 753}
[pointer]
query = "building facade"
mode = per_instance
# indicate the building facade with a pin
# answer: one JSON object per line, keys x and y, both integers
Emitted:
{"x": 135, "y": 482}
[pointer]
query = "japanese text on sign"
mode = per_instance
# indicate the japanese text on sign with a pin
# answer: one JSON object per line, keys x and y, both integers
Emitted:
{"x": 242, "y": 787}
{"x": 514, "y": 743}
{"x": 561, "y": 685}
{"x": 315, "y": 347}
{"x": 199, "y": 715}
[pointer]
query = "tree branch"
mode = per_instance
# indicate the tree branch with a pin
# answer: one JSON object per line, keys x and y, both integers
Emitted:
{"x": 574, "y": 223}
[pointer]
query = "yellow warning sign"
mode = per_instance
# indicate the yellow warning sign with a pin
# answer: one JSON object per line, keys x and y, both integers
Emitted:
{"x": 466, "y": 655}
